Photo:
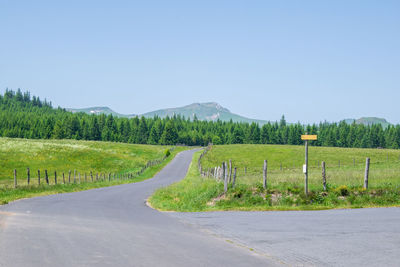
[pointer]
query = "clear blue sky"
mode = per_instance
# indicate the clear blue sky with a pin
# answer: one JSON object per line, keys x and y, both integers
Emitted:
{"x": 309, "y": 60}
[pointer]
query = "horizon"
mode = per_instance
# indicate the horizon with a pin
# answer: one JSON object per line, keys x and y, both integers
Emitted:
{"x": 310, "y": 61}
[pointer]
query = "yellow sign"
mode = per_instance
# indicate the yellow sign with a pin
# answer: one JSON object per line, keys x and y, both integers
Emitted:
{"x": 309, "y": 137}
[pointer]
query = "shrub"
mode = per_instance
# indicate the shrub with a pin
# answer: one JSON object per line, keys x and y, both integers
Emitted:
{"x": 342, "y": 190}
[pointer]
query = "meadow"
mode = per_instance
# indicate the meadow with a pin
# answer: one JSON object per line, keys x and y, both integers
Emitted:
{"x": 285, "y": 187}
{"x": 65, "y": 155}
{"x": 344, "y": 166}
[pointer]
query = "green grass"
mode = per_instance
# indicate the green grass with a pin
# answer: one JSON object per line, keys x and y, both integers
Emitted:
{"x": 384, "y": 168}
{"x": 65, "y": 155}
{"x": 285, "y": 188}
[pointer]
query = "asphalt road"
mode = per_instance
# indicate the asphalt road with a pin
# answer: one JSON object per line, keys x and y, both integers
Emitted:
{"x": 112, "y": 227}
{"x": 362, "y": 237}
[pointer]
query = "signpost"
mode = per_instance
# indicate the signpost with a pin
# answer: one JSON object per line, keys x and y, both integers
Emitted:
{"x": 307, "y": 138}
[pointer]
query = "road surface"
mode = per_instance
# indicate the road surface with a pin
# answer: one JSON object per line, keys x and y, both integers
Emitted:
{"x": 112, "y": 227}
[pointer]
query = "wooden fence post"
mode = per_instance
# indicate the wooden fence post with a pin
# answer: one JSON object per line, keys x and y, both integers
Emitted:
{"x": 74, "y": 176}
{"x": 225, "y": 174}
{"x": 15, "y": 178}
{"x": 323, "y": 175}
{"x": 366, "y": 173}
{"x": 230, "y": 170}
{"x": 38, "y": 175}
{"x": 234, "y": 178}
{"x": 79, "y": 175}
{"x": 85, "y": 178}
{"x": 63, "y": 178}
{"x": 46, "y": 176}
{"x": 28, "y": 174}
{"x": 265, "y": 174}
{"x": 91, "y": 176}
{"x": 97, "y": 177}
{"x": 55, "y": 177}
{"x": 69, "y": 176}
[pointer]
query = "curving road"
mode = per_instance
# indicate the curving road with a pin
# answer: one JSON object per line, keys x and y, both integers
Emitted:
{"x": 112, "y": 227}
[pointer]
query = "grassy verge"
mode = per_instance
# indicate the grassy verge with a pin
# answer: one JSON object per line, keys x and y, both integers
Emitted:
{"x": 195, "y": 193}
{"x": 131, "y": 158}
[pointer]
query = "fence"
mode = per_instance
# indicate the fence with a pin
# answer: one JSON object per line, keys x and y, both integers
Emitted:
{"x": 75, "y": 177}
{"x": 350, "y": 174}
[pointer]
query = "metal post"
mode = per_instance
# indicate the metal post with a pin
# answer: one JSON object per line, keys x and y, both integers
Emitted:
{"x": 306, "y": 171}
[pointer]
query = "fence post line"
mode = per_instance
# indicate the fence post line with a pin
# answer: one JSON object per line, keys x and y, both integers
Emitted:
{"x": 366, "y": 173}
{"x": 38, "y": 172}
{"x": 234, "y": 178}
{"x": 15, "y": 178}
{"x": 55, "y": 177}
{"x": 323, "y": 175}
{"x": 63, "y": 178}
{"x": 46, "y": 176}
{"x": 265, "y": 174}
{"x": 28, "y": 176}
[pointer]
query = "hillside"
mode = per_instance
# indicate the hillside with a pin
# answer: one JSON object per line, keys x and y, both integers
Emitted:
{"x": 99, "y": 110}
{"x": 369, "y": 121}
{"x": 203, "y": 111}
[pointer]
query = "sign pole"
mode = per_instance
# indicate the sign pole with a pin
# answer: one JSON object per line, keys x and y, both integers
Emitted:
{"x": 306, "y": 171}
{"x": 307, "y": 138}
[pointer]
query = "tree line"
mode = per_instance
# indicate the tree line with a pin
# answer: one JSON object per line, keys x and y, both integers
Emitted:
{"x": 24, "y": 116}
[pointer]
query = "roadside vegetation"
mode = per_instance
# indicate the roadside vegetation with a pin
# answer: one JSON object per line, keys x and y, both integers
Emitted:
{"x": 65, "y": 155}
{"x": 285, "y": 186}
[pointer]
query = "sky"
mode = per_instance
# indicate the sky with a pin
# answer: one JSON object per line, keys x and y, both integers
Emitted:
{"x": 309, "y": 60}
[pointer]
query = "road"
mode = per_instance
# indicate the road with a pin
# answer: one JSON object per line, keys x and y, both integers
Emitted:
{"x": 112, "y": 227}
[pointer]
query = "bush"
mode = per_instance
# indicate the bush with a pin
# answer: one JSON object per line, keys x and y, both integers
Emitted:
{"x": 342, "y": 190}
{"x": 167, "y": 153}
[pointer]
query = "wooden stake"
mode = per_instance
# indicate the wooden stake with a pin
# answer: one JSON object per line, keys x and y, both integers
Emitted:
{"x": 265, "y": 174}
{"x": 323, "y": 175}
{"x": 55, "y": 177}
{"x": 38, "y": 175}
{"x": 225, "y": 175}
{"x": 46, "y": 176}
{"x": 366, "y": 173}
{"x": 15, "y": 178}
{"x": 234, "y": 179}
{"x": 28, "y": 173}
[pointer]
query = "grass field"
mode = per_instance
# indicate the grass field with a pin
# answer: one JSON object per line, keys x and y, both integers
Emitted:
{"x": 286, "y": 187}
{"x": 65, "y": 155}
{"x": 344, "y": 166}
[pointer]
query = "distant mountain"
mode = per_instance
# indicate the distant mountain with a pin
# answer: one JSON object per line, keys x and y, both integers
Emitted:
{"x": 203, "y": 111}
{"x": 99, "y": 110}
{"x": 369, "y": 121}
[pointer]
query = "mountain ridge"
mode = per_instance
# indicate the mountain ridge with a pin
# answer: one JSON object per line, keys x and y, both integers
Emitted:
{"x": 209, "y": 111}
